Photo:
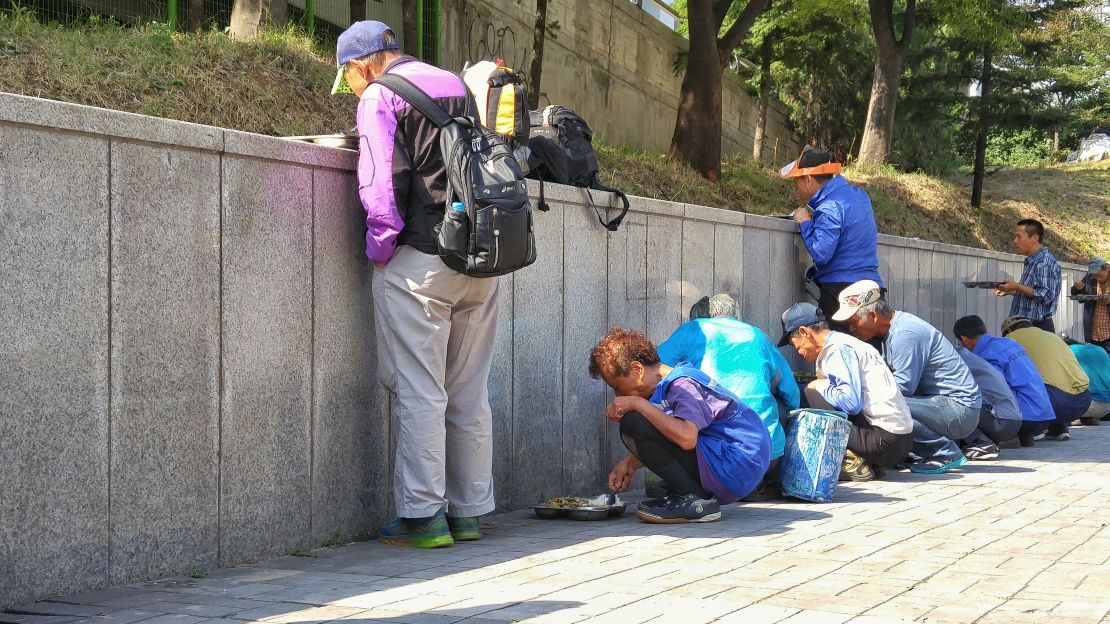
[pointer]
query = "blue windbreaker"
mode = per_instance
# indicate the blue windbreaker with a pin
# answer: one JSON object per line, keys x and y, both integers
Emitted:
{"x": 743, "y": 359}
{"x": 842, "y": 238}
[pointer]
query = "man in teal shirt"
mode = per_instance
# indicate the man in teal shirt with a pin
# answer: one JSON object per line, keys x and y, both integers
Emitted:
{"x": 1096, "y": 363}
{"x": 740, "y": 357}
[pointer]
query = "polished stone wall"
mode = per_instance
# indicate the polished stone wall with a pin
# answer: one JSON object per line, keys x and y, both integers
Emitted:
{"x": 188, "y": 350}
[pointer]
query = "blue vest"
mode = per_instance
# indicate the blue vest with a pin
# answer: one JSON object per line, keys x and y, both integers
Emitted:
{"x": 736, "y": 445}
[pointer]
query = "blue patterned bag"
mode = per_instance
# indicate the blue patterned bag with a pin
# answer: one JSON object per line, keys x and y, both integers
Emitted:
{"x": 815, "y": 444}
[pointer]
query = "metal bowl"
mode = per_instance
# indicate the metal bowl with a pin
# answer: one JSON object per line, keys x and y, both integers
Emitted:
{"x": 549, "y": 513}
{"x": 588, "y": 513}
{"x": 982, "y": 284}
{"x": 616, "y": 510}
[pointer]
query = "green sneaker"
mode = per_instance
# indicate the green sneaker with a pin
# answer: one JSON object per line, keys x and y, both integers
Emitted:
{"x": 464, "y": 528}
{"x": 431, "y": 532}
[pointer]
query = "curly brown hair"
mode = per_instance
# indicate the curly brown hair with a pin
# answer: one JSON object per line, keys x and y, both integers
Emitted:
{"x": 614, "y": 354}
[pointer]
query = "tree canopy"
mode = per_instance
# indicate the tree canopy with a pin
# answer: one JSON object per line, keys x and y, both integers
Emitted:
{"x": 1047, "y": 63}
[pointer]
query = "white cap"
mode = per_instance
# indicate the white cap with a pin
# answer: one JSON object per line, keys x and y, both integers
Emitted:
{"x": 855, "y": 297}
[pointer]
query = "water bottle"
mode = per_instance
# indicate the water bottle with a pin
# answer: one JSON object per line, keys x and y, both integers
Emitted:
{"x": 458, "y": 207}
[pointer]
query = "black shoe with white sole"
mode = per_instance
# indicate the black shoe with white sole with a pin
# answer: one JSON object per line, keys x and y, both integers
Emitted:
{"x": 676, "y": 509}
{"x": 979, "y": 452}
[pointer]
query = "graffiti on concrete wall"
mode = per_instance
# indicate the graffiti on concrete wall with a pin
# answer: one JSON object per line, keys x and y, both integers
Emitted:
{"x": 488, "y": 40}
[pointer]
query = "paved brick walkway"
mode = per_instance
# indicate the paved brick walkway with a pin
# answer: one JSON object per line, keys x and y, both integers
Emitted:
{"x": 1022, "y": 539}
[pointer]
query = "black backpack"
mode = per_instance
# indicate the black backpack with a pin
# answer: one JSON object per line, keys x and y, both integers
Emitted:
{"x": 562, "y": 151}
{"x": 494, "y": 235}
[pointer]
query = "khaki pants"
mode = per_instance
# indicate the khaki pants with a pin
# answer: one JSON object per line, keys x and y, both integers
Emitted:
{"x": 435, "y": 347}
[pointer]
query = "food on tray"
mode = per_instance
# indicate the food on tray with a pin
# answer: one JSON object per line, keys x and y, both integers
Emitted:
{"x": 567, "y": 501}
{"x": 575, "y": 502}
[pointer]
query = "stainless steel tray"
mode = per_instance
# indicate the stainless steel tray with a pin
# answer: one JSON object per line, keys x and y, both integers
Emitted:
{"x": 579, "y": 513}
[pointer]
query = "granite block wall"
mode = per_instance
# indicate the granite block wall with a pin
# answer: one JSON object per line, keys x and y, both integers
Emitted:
{"x": 188, "y": 342}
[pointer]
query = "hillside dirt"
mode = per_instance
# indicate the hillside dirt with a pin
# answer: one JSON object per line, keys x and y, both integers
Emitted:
{"x": 279, "y": 85}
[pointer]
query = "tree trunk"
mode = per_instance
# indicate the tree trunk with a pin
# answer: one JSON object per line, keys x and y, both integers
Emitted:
{"x": 535, "y": 72}
{"x": 358, "y": 10}
{"x": 195, "y": 19}
{"x": 697, "y": 132}
{"x": 279, "y": 13}
{"x": 807, "y": 117}
{"x": 765, "y": 52}
{"x": 1055, "y": 141}
{"x": 408, "y": 27}
{"x": 984, "y": 124}
{"x": 878, "y": 129}
{"x": 245, "y": 17}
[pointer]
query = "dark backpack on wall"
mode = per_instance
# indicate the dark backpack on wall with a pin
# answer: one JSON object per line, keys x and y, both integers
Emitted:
{"x": 562, "y": 151}
{"x": 494, "y": 235}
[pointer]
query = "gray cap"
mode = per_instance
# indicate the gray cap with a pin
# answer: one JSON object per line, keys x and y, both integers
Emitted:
{"x": 797, "y": 316}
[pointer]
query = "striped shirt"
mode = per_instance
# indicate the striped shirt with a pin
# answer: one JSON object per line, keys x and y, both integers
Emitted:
{"x": 1042, "y": 273}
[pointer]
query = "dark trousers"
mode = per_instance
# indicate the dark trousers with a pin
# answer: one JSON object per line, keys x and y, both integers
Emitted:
{"x": 830, "y": 303}
{"x": 994, "y": 428}
{"x": 675, "y": 465}
{"x": 1067, "y": 407}
{"x": 1045, "y": 324}
{"x": 1105, "y": 344}
{"x": 877, "y": 445}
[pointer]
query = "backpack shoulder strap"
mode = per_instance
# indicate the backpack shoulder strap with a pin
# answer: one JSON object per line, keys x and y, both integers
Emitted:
{"x": 415, "y": 96}
{"x": 615, "y": 222}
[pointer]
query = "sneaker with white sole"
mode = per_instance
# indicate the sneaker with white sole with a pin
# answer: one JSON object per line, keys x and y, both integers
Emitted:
{"x": 1059, "y": 437}
{"x": 677, "y": 509}
{"x": 980, "y": 452}
{"x": 1039, "y": 436}
{"x": 937, "y": 466}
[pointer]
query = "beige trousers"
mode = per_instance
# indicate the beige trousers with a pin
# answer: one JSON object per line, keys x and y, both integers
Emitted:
{"x": 435, "y": 347}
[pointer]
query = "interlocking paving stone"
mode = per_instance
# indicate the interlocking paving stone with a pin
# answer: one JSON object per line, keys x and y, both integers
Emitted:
{"x": 1021, "y": 539}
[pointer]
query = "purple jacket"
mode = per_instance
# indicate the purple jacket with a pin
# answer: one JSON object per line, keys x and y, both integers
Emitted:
{"x": 401, "y": 177}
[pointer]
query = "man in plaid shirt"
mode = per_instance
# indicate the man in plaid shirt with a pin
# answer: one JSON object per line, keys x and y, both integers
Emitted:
{"x": 1035, "y": 295}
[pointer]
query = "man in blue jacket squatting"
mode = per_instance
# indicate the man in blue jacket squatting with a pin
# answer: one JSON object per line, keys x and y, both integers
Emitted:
{"x": 840, "y": 235}
{"x": 700, "y": 438}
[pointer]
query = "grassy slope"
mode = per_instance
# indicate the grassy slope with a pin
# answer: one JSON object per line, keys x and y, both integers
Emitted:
{"x": 1072, "y": 200}
{"x": 278, "y": 85}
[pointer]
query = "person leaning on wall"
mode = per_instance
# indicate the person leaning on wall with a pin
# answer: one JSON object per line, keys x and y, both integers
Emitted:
{"x": 435, "y": 325}
{"x": 840, "y": 233}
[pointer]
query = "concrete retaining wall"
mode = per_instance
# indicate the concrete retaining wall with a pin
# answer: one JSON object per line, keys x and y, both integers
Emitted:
{"x": 613, "y": 63}
{"x": 188, "y": 351}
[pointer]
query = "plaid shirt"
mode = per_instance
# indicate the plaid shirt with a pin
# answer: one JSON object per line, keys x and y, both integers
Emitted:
{"x": 1042, "y": 273}
{"x": 1100, "y": 316}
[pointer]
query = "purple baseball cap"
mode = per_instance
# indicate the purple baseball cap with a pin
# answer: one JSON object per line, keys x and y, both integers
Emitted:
{"x": 361, "y": 39}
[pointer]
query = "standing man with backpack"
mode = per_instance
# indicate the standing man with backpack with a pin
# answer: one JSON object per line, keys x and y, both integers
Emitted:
{"x": 435, "y": 324}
